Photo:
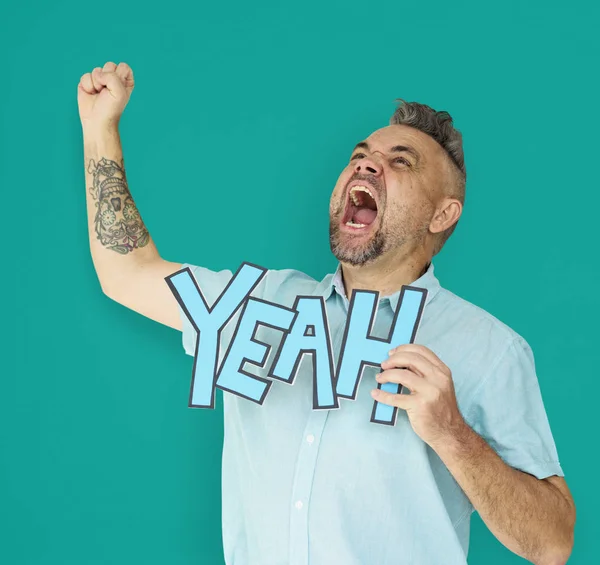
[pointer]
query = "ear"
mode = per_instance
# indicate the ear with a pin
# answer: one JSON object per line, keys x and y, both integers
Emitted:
{"x": 447, "y": 214}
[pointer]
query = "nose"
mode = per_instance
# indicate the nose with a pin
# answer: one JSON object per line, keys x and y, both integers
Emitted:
{"x": 367, "y": 165}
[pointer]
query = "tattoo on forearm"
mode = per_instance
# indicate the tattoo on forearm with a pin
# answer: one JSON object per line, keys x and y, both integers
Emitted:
{"x": 118, "y": 222}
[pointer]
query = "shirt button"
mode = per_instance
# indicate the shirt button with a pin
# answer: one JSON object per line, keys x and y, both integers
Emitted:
{"x": 310, "y": 438}
{"x": 299, "y": 505}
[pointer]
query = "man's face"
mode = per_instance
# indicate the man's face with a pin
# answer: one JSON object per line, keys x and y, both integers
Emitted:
{"x": 386, "y": 196}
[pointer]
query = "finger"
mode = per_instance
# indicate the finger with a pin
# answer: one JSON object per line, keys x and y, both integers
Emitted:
{"x": 408, "y": 360}
{"x": 86, "y": 83}
{"x": 419, "y": 365}
{"x": 109, "y": 80}
{"x": 404, "y": 377}
{"x": 404, "y": 401}
{"x": 422, "y": 350}
{"x": 95, "y": 80}
{"x": 109, "y": 67}
{"x": 125, "y": 73}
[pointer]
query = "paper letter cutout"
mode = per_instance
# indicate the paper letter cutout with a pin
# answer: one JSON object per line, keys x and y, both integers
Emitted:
{"x": 309, "y": 335}
{"x": 408, "y": 314}
{"x": 209, "y": 322}
{"x": 360, "y": 348}
{"x": 231, "y": 377}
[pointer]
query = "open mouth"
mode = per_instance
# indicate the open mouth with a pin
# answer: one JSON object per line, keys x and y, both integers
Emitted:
{"x": 361, "y": 208}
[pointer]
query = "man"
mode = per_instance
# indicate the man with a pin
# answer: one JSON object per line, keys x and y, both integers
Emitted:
{"x": 327, "y": 486}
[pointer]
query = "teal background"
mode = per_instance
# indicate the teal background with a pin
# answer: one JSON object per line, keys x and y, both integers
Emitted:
{"x": 242, "y": 117}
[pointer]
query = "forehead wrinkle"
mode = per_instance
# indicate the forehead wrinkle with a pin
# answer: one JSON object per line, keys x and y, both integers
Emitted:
{"x": 415, "y": 139}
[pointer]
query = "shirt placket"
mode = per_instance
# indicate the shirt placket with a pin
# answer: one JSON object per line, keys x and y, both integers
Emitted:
{"x": 303, "y": 479}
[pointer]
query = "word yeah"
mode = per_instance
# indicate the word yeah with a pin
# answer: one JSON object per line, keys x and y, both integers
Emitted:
{"x": 305, "y": 332}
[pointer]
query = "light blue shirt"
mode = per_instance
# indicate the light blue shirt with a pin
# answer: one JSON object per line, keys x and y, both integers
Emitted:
{"x": 325, "y": 487}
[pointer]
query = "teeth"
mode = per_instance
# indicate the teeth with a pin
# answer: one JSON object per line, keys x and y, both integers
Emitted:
{"x": 355, "y": 189}
{"x": 353, "y": 225}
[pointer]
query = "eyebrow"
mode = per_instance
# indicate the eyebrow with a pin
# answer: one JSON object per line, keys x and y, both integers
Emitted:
{"x": 395, "y": 149}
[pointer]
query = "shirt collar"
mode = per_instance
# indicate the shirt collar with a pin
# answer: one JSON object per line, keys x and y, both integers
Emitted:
{"x": 334, "y": 282}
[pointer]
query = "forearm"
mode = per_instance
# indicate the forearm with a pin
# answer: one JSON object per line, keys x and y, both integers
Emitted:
{"x": 119, "y": 241}
{"x": 529, "y": 516}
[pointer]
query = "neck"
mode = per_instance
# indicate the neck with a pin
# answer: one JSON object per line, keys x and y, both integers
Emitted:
{"x": 387, "y": 277}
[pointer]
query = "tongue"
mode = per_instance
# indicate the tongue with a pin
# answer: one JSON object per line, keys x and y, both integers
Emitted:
{"x": 364, "y": 216}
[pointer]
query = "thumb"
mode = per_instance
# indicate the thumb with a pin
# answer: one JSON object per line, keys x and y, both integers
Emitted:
{"x": 110, "y": 80}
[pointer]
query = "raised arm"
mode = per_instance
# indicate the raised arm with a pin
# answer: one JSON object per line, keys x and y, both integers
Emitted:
{"x": 127, "y": 262}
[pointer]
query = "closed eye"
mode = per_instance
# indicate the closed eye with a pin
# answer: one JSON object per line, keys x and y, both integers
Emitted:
{"x": 356, "y": 156}
{"x": 396, "y": 160}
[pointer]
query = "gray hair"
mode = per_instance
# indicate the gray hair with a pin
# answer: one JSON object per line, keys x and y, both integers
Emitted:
{"x": 438, "y": 125}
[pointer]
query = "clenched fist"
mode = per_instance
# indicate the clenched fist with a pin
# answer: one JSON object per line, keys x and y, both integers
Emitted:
{"x": 103, "y": 94}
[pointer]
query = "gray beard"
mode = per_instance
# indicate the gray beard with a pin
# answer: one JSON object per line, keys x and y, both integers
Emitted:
{"x": 356, "y": 256}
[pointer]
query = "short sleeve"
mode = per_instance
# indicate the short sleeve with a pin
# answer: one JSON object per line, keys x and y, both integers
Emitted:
{"x": 212, "y": 284}
{"x": 508, "y": 412}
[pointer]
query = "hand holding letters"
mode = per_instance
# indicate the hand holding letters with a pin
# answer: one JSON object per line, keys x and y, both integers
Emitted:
{"x": 431, "y": 407}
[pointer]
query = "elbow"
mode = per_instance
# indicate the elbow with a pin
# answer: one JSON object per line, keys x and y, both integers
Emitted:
{"x": 109, "y": 292}
{"x": 106, "y": 290}
{"x": 110, "y": 287}
{"x": 559, "y": 554}
{"x": 557, "y": 558}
